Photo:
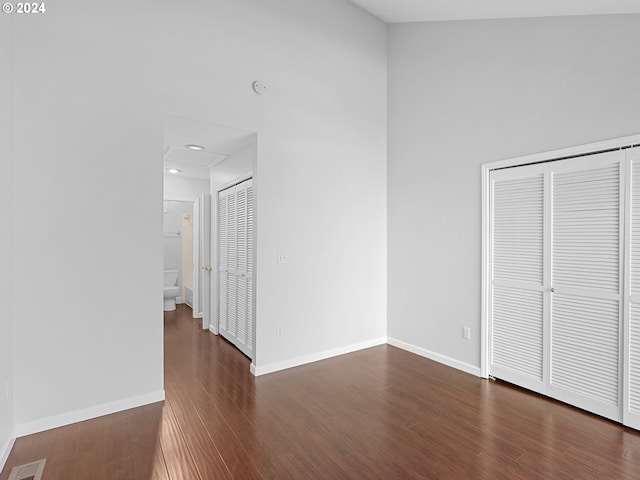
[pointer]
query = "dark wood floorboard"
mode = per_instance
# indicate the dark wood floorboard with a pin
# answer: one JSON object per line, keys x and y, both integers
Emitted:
{"x": 380, "y": 413}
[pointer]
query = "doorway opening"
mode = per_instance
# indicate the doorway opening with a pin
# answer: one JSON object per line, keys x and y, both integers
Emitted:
{"x": 200, "y": 160}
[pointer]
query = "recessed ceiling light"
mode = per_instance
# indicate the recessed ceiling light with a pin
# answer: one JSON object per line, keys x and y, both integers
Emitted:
{"x": 194, "y": 147}
{"x": 173, "y": 170}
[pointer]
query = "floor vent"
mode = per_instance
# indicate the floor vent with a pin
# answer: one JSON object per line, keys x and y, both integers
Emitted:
{"x": 28, "y": 471}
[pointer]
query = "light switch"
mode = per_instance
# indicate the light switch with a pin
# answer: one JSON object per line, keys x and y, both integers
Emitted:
{"x": 283, "y": 258}
{"x": 466, "y": 333}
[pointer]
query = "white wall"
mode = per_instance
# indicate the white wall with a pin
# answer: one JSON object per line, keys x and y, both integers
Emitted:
{"x": 465, "y": 93}
{"x": 93, "y": 83}
{"x": 177, "y": 186}
{"x": 6, "y": 235}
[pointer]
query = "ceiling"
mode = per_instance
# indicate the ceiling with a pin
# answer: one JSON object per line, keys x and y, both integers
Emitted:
{"x": 396, "y": 11}
{"x": 220, "y": 142}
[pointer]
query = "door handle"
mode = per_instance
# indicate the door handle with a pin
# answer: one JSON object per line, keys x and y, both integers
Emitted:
{"x": 207, "y": 268}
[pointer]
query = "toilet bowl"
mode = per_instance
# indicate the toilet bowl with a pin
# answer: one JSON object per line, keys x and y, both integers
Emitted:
{"x": 171, "y": 291}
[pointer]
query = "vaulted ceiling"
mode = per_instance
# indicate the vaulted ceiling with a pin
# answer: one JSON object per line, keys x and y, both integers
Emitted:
{"x": 394, "y": 11}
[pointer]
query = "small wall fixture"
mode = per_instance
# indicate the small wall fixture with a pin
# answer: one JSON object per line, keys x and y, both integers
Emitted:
{"x": 194, "y": 147}
{"x": 259, "y": 87}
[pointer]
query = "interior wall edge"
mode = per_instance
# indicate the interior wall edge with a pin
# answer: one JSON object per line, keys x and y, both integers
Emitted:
{"x": 6, "y": 449}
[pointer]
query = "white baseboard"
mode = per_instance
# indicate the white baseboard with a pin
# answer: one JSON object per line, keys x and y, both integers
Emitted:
{"x": 87, "y": 413}
{"x": 436, "y": 357}
{"x": 5, "y": 449}
{"x": 314, "y": 357}
{"x": 212, "y": 329}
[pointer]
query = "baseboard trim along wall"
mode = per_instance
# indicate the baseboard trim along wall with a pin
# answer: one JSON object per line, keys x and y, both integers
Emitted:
{"x": 296, "y": 362}
{"x": 436, "y": 357}
{"x": 87, "y": 413}
{"x": 6, "y": 450}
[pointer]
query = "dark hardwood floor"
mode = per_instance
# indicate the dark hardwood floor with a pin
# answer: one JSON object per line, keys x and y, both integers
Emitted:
{"x": 380, "y": 413}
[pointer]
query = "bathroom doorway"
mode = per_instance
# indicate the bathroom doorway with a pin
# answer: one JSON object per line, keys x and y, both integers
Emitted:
{"x": 181, "y": 249}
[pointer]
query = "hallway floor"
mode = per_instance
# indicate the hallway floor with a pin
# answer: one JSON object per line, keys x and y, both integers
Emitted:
{"x": 380, "y": 413}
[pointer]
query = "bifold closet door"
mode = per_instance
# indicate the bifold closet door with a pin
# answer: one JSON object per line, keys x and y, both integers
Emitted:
{"x": 235, "y": 265}
{"x": 556, "y": 265}
{"x": 586, "y": 279}
{"x": 517, "y": 272}
{"x": 632, "y": 277}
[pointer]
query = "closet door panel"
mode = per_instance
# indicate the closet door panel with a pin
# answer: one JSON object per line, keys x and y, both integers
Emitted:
{"x": 232, "y": 259}
{"x": 585, "y": 349}
{"x": 250, "y": 269}
{"x": 518, "y": 332}
{"x": 241, "y": 265}
{"x": 245, "y": 235}
{"x": 517, "y": 276}
{"x": 586, "y": 246}
{"x": 222, "y": 262}
{"x": 633, "y": 406}
{"x": 632, "y": 345}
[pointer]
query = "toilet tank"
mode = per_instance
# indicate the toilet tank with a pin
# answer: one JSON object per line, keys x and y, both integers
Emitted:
{"x": 170, "y": 277}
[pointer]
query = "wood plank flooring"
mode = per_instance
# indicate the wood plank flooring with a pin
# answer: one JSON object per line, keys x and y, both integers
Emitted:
{"x": 380, "y": 413}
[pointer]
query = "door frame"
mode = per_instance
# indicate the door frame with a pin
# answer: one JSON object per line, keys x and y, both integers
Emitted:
{"x": 197, "y": 246}
{"x": 486, "y": 168}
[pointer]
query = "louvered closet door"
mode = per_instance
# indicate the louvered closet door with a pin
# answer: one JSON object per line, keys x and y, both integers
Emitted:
{"x": 632, "y": 325}
{"x": 223, "y": 322}
{"x": 586, "y": 280}
{"x": 248, "y": 347}
{"x": 517, "y": 306}
{"x": 235, "y": 269}
{"x": 244, "y": 269}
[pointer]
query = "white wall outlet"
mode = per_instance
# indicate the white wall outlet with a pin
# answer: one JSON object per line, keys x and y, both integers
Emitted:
{"x": 279, "y": 332}
{"x": 466, "y": 333}
{"x": 283, "y": 258}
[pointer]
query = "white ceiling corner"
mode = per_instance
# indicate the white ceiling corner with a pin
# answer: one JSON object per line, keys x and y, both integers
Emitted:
{"x": 399, "y": 11}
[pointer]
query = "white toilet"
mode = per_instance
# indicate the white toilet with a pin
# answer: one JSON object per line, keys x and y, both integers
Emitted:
{"x": 171, "y": 291}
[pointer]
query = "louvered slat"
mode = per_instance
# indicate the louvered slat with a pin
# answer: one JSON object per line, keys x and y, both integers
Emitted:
{"x": 586, "y": 225}
{"x": 517, "y": 343}
{"x": 518, "y": 225}
{"x": 585, "y": 346}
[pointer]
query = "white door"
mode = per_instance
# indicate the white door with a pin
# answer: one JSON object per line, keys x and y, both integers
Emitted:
{"x": 555, "y": 309}
{"x": 586, "y": 279}
{"x": 235, "y": 265}
{"x": 205, "y": 252}
{"x": 518, "y": 284}
{"x": 197, "y": 263}
{"x": 631, "y": 398}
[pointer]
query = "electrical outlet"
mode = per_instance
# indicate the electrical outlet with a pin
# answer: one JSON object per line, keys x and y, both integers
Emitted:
{"x": 466, "y": 333}
{"x": 279, "y": 332}
{"x": 283, "y": 258}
